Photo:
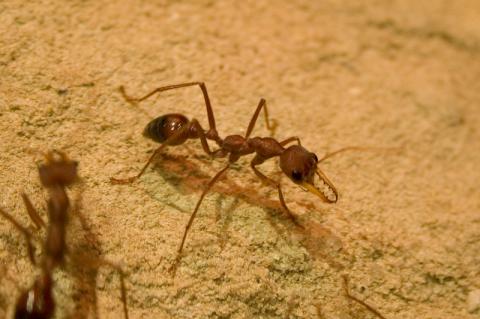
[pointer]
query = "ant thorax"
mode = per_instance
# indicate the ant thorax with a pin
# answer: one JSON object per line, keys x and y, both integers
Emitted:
{"x": 236, "y": 144}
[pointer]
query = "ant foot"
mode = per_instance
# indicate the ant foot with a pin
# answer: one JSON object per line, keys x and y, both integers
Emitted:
{"x": 125, "y": 96}
{"x": 123, "y": 181}
{"x": 173, "y": 268}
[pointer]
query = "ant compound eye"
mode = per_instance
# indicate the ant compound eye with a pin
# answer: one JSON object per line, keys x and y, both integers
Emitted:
{"x": 297, "y": 176}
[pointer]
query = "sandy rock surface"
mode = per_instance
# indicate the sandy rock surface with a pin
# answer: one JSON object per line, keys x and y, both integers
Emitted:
{"x": 399, "y": 74}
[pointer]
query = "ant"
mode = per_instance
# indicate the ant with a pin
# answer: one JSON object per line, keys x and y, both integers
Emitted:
{"x": 56, "y": 174}
{"x": 299, "y": 164}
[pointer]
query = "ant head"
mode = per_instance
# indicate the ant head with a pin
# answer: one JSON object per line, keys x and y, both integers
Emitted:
{"x": 58, "y": 170}
{"x": 300, "y": 166}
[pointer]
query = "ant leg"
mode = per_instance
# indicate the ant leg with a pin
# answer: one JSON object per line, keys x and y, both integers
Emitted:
{"x": 355, "y": 148}
{"x": 291, "y": 139}
{"x": 194, "y": 123}
{"x": 25, "y": 232}
{"x": 271, "y": 182}
{"x": 192, "y": 217}
{"x": 32, "y": 212}
{"x": 131, "y": 179}
{"x": 211, "y": 118}
{"x": 363, "y": 303}
{"x": 98, "y": 261}
{"x": 203, "y": 138}
{"x": 271, "y": 127}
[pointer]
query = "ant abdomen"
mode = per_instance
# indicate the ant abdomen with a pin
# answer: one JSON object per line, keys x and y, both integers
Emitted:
{"x": 163, "y": 127}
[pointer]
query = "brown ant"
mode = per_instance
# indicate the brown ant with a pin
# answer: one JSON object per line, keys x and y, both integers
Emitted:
{"x": 56, "y": 174}
{"x": 299, "y": 164}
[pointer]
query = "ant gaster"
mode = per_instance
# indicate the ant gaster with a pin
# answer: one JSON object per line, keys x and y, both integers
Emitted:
{"x": 56, "y": 174}
{"x": 299, "y": 164}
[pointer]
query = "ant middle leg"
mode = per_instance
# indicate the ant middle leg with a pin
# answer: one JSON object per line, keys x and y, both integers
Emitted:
{"x": 131, "y": 179}
{"x": 271, "y": 127}
{"x": 211, "y": 117}
{"x": 256, "y": 161}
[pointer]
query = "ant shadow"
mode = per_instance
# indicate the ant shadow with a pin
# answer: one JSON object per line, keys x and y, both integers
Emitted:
{"x": 88, "y": 244}
{"x": 85, "y": 261}
{"x": 319, "y": 241}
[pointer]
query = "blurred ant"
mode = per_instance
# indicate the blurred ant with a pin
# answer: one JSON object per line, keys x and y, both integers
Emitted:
{"x": 56, "y": 174}
{"x": 299, "y": 164}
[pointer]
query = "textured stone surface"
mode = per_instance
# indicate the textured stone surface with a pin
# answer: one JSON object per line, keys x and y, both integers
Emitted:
{"x": 335, "y": 73}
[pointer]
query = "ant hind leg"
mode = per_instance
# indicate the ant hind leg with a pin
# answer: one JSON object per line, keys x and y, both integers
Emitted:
{"x": 211, "y": 117}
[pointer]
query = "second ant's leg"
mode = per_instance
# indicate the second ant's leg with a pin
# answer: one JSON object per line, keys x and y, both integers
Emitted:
{"x": 251, "y": 125}
{"x": 211, "y": 118}
{"x": 192, "y": 217}
{"x": 32, "y": 212}
{"x": 271, "y": 182}
{"x": 25, "y": 232}
{"x": 98, "y": 261}
{"x": 363, "y": 303}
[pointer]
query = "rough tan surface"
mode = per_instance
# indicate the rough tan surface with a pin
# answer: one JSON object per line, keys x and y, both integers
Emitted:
{"x": 383, "y": 73}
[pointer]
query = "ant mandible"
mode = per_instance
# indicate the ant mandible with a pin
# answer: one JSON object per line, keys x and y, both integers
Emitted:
{"x": 299, "y": 164}
{"x": 56, "y": 174}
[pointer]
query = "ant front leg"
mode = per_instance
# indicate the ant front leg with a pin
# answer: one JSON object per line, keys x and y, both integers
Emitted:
{"x": 32, "y": 212}
{"x": 257, "y": 161}
{"x": 25, "y": 232}
{"x": 251, "y": 125}
{"x": 211, "y": 117}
